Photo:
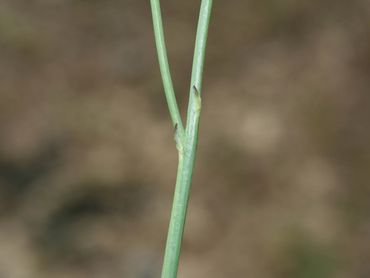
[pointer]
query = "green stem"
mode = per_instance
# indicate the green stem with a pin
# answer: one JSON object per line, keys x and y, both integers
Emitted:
{"x": 186, "y": 140}
{"x": 164, "y": 66}
{"x": 182, "y": 191}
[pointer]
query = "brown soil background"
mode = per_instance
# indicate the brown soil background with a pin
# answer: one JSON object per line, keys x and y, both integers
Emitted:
{"x": 88, "y": 161}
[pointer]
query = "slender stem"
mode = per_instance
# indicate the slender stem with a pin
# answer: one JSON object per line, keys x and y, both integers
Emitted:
{"x": 199, "y": 51}
{"x": 187, "y": 150}
{"x": 186, "y": 139}
{"x": 181, "y": 198}
{"x": 164, "y": 66}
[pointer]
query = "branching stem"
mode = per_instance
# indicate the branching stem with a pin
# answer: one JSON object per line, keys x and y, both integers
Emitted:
{"x": 186, "y": 139}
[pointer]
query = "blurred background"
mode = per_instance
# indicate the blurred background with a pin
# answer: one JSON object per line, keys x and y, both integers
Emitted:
{"x": 88, "y": 161}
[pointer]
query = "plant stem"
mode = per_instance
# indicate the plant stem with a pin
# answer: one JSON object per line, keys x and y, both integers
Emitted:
{"x": 186, "y": 140}
{"x": 164, "y": 66}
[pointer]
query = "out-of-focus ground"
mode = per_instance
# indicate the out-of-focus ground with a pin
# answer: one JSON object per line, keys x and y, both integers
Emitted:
{"x": 88, "y": 161}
